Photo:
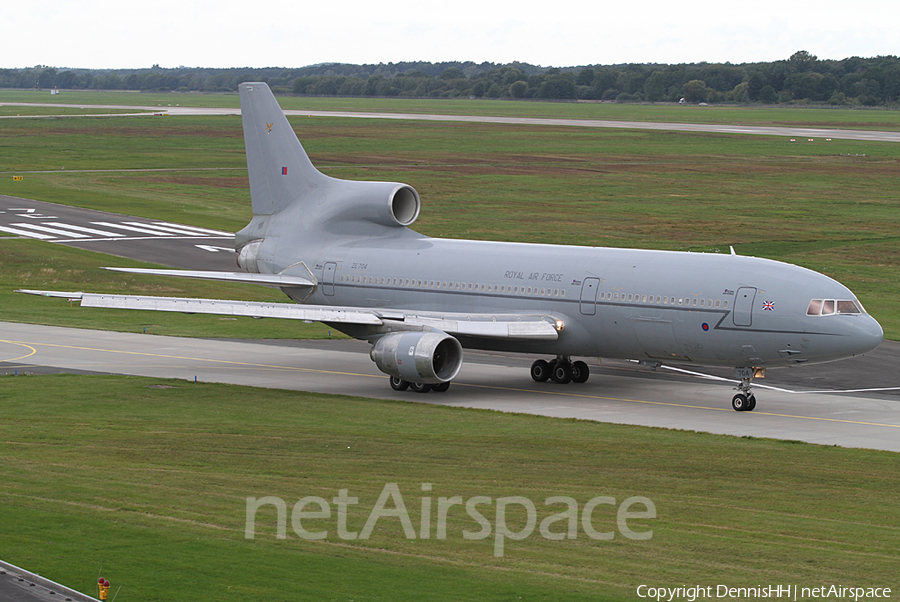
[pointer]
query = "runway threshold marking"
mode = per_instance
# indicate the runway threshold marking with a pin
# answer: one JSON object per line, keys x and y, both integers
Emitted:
{"x": 498, "y": 388}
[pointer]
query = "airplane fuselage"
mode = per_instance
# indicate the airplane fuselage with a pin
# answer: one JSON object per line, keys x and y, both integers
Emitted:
{"x": 708, "y": 309}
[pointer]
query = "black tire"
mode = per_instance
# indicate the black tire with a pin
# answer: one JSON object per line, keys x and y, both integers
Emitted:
{"x": 562, "y": 373}
{"x": 740, "y": 403}
{"x": 398, "y": 384}
{"x": 420, "y": 387}
{"x": 540, "y": 371}
{"x": 751, "y": 403}
{"x": 580, "y": 372}
{"x": 440, "y": 387}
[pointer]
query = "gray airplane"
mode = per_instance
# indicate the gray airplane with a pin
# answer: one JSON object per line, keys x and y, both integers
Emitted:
{"x": 343, "y": 250}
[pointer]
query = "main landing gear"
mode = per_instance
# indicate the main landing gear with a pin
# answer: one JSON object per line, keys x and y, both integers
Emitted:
{"x": 561, "y": 370}
{"x": 745, "y": 400}
{"x": 398, "y": 384}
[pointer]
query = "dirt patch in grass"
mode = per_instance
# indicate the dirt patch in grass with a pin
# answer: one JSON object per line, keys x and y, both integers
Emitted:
{"x": 190, "y": 180}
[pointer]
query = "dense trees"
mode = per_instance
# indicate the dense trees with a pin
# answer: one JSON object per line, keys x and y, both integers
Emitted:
{"x": 802, "y": 78}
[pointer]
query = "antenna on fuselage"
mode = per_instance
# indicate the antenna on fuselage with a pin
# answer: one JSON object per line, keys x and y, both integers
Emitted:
{"x": 732, "y": 249}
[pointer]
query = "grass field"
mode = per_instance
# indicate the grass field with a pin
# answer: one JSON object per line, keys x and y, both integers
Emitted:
{"x": 26, "y": 264}
{"x": 151, "y": 482}
{"x": 879, "y": 119}
{"x": 831, "y": 206}
{"x": 149, "y": 479}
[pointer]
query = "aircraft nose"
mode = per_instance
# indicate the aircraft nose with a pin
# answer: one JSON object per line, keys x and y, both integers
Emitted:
{"x": 868, "y": 334}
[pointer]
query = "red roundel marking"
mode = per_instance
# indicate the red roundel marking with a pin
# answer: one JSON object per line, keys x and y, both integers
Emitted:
{"x": 705, "y": 326}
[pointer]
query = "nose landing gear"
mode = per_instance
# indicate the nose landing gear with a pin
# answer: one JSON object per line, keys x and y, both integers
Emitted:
{"x": 745, "y": 401}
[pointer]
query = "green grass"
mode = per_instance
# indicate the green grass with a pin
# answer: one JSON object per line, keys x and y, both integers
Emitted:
{"x": 26, "y": 264}
{"x": 881, "y": 119}
{"x": 831, "y": 206}
{"x": 151, "y": 484}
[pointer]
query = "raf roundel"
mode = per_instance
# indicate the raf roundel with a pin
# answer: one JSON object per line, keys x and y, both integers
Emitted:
{"x": 705, "y": 327}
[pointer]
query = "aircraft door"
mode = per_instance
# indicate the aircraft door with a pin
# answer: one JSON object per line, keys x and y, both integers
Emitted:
{"x": 743, "y": 306}
{"x": 589, "y": 290}
{"x": 328, "y": 279}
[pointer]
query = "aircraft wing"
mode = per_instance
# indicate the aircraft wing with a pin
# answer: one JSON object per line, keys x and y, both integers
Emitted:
{"x": 538, "y": 327}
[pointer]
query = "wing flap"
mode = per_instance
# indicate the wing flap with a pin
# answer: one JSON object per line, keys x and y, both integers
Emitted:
{"x": 252, "y": 278}
{"x": 253, "y": 309}
{"x": 515, "y": 326}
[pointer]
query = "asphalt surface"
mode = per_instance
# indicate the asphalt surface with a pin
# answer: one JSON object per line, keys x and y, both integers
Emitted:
{"x": 148, "y": 240}
{"x": 800, "y": 133}
{"x": 19, "y": 585}
{"x": 617, "y": 392}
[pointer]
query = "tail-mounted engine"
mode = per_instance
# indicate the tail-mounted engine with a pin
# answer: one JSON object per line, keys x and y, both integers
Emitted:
{"x": 419, "y": 357}
{"x": 388, "y": 204}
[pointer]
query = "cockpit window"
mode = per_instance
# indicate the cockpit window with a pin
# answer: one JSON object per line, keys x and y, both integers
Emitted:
{"x": 815, "y": 307}
{"x": 828, "y": 307}
{"x": 847, "y": 307}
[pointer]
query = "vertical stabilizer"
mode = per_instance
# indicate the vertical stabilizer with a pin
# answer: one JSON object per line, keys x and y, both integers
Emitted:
{"x": 280, "y": 171}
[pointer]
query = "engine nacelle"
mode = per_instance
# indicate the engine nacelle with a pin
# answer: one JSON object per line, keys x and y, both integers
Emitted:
{"x": 419, "y": 357}
{"x": 248, "y": 256}
{"x": 388, "y": 204}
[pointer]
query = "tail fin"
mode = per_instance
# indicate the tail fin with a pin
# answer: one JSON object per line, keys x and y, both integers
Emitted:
{"x": 280, "y": 170}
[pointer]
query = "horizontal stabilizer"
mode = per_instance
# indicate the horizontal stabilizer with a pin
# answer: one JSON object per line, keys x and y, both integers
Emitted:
{"x": 252, "y": 278}
{"x": 59, "y": 294}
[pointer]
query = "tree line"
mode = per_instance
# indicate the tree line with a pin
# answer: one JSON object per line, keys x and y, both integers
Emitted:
{"x": 802, "y": 78}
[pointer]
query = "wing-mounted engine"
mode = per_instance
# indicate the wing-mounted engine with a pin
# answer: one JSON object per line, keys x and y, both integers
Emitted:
{"x": 419, "y": 357}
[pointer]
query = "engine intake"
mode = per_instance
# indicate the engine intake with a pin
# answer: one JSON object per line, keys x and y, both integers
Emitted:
{"x": 419, "y": 357}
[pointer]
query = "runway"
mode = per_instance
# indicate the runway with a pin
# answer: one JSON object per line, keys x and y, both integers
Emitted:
{"x": 617, "y": 392}
{"x": 175, "y": 245}
{"x": 783, "y": 131}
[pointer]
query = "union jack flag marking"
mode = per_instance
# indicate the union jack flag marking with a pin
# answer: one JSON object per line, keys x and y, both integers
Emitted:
{"x": 769, "y": 306}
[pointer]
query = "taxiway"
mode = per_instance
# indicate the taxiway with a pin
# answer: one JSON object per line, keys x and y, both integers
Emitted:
{"x": 617, "y": 393}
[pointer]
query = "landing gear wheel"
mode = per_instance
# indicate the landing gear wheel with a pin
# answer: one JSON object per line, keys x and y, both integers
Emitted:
{"x": 562, "y": 372}
{"x": 398, "y": 384}
{"x": 580, "y": 372}
{"x": 745, "y": 400}
{"x": 740, "y": 402}
{"x": 540, "y": 371}
{"x": 440, "y": 387}
{"x": 420, "y": 387}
